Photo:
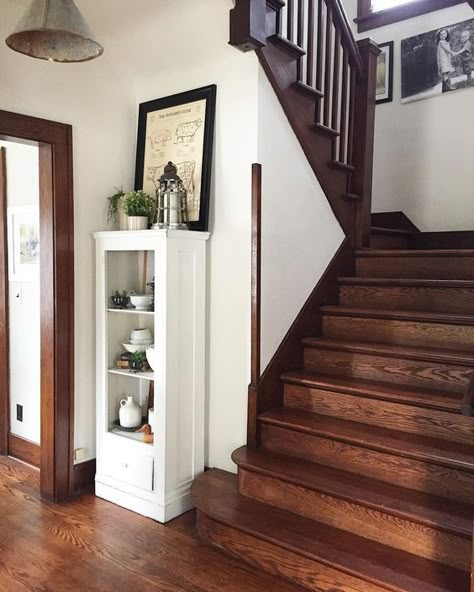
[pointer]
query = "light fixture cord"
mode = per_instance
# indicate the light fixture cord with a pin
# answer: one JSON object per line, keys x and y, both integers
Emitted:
{"x": 45, "y": 14}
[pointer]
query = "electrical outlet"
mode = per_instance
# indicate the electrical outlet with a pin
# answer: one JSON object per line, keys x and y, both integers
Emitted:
{"x": 19, "y": 412}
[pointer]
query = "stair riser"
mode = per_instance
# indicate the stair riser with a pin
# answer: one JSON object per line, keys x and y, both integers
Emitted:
{"x": 396, "y": 332}
{"x": 279, "y": 561}
{"x": 382, "y": 241}
{"x": 436, "y": 268}
{"x": 415, "y": 474}
{"x": 395, "y": 416}
{"x": 371, "y": 523}
{"x": 418, "y": 373}
{"x": 447, "y": 300}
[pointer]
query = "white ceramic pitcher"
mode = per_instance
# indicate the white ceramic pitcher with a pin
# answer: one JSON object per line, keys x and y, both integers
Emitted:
{"x": 130, "y": 414}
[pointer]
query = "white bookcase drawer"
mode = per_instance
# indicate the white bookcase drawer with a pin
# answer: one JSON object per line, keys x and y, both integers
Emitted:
{"x": 134, "y": 470}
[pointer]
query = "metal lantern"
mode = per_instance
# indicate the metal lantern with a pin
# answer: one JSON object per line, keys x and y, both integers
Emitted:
{"x": 55, "y": 30}
{"x": 172, "y": 206}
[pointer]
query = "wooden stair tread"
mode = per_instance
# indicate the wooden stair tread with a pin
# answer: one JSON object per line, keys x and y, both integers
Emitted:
{"x": 376, "y": 390}
{"x": 396, "y": 351}
{"x": 407, "y": 282}
{"x": 391, "y": 231}
{"x": 427, "y": 449}
{"x": 399, "y": 315}
{"x": 215, "y": 494}
{"x": 426, "y": 509}
{"x": 414, "y": 253}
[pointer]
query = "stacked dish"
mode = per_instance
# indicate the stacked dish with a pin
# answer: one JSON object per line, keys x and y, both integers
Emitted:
{"x": 139, "y": 340}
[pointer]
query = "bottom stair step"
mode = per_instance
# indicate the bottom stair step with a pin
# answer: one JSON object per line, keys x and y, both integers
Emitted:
{"x": 319, "y": 557}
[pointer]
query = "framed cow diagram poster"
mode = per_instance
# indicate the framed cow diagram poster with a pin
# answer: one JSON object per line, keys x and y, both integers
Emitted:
{"x": 180, "y": 129}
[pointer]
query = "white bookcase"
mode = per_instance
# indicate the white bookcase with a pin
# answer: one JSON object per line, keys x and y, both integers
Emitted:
{"x": 152, "y": 479}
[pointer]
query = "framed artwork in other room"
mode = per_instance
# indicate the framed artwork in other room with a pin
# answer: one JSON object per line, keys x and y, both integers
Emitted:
{"x": 438, "y": 62}
{"x": 384, "y": 88}
{"x": 23, "y": 243}
{"x": 179, "y": 129}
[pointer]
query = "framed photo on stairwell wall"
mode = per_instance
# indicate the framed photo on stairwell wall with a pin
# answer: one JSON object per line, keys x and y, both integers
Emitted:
{"x": 180, "y": 129}
{"x": 384, "y": 86}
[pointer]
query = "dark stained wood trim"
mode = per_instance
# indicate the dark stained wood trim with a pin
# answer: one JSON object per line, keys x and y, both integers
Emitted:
{"x": 4, "y": 339}
{"x": 84, "y": 476}
{"x": 289, "y": 355}
{"x": 256, "y": 271}
{"x": 367, "y": 20}
{"x": 57, "y": 296}
{"x": 248, "y": 25}
{"x": 454, "y": 239}
{"x": 255, "y": 322}
{"x": 24, "y": 450}
{"x": 364, "y": 132}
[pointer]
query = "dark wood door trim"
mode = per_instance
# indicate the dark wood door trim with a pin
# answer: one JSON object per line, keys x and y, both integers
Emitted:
{"x": 57, "y": 296}
{"x": 4, "y": 339}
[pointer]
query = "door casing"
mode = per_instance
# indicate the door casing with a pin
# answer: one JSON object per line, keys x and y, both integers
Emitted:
{"x": 57, "y": 300}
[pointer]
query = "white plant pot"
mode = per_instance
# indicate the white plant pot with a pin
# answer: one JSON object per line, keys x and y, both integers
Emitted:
{"x": 130, "y": 414}
{"x": 123, "y": 221}
{"x": 137, "y": 222}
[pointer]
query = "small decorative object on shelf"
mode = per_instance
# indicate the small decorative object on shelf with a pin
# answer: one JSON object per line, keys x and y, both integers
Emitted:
{"x": 138, "y": 362}
{"x": 139, "y": 207}
{"x": 114, "y": 209}
{"x": 120, "y": 300}
{"x": 147, "y": 436}
{"x": 151, "y": 356}
{"x": 152, "y": 288}
{"x": 130, "y": 414}
{"x": 141, "y": 301}
{"x": 125, "y": 361}
{"x": 171, "y": 208}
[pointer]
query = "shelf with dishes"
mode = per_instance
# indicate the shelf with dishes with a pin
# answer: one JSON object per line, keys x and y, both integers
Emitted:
{"x": 130, "y": 311}
{"x": 145, "y": 375}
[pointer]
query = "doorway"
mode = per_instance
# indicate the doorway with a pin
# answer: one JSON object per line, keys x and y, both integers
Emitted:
{"x": 56, "y": 284}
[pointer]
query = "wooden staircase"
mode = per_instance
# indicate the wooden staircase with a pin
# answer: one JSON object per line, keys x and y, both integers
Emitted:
{"x": 359, "y": 470}
{"x": 364, "y": 478}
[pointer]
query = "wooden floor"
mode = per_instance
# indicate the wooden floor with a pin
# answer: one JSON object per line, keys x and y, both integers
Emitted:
{"x": 90, "y": 545}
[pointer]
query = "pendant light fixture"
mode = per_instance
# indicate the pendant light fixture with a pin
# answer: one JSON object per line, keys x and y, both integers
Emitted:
{"x": 55, "y": 30}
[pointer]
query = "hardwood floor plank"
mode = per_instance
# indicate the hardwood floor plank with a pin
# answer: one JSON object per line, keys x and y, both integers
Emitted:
{"x": 90, "y": 545}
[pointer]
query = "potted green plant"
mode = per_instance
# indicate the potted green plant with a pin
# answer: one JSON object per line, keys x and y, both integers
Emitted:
{"x": 115, "y": 212}
{"x": 139, "y": 207}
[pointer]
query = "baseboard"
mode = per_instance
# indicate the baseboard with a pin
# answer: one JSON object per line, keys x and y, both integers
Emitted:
{"x": 84, "y": 476}
{"x": 24, "y": 450}
{"x": 289, "y": 355}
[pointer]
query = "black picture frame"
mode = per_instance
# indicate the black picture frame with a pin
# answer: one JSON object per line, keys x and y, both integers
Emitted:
{"x": 207, "y": 93}
{"x": 389, "y": 65}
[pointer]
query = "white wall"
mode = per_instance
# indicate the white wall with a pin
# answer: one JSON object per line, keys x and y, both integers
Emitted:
{"x": 423, "y": 149}
{"x": 147, "y": 55}
{"x": 299, "y": 231}
{"x": 24, "y": 302}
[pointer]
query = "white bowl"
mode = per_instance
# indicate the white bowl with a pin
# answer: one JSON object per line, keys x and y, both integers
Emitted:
{"x": 152, "y": 357}
{"x": 135, "y": 347}
{"x": 140, "y": 336}
{"x": 141, "y": 301}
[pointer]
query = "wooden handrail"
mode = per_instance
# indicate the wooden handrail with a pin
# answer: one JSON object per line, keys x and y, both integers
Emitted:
{"x": 347, "y": 37}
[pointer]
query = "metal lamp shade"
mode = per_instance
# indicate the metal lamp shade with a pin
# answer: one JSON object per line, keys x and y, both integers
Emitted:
{"x": 55, "y": 30}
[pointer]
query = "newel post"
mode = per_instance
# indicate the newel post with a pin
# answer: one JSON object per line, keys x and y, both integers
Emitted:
{"x": 364, "y": 128}
{"x": 248, "y": 24}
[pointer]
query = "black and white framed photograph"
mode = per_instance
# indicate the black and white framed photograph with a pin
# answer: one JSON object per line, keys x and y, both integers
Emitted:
{"x": 179, "y": 129}
{"x": 23, "y": 243}
{"x": 384, "y": 88}
{"x": 437, "y": 62}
